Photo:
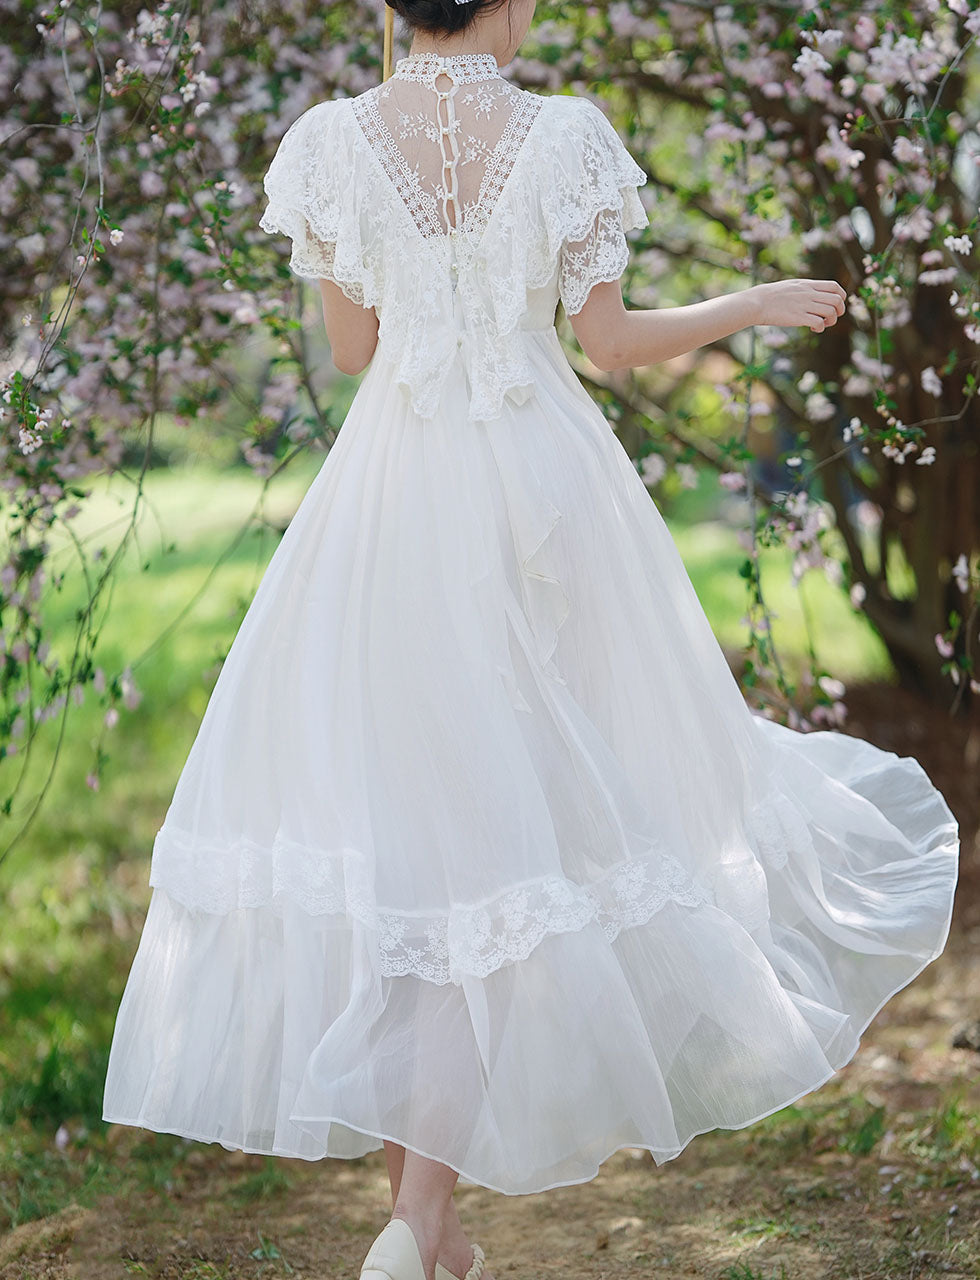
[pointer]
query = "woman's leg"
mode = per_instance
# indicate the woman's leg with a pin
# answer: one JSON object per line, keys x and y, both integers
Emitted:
{"x": 424, "y": 1194}
{"x": 395, "y": 1160}
{"x": 429, "y": 1185}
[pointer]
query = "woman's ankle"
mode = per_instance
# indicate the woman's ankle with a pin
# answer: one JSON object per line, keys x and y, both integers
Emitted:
{"x": 455, "y": 1250}
{"x": 422, "y": 1219}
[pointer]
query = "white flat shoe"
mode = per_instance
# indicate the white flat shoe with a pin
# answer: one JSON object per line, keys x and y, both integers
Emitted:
{"x": 394, "y": 1254}
{"x": 474, "y": 1273}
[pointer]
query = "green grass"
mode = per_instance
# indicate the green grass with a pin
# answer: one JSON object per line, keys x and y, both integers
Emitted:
{"x": 75, "y": 889}
{"x": 190, "y": 519}
{"x": 84, "y": 862}
{"x": 743, "y": 1271}
{"x": 844, "y": 640}
{"x": 173, "y": 617}
{"x": 267, "y": 1182}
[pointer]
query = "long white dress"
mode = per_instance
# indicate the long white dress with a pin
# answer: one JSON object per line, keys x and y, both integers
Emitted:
{"x": 479, "y": 847}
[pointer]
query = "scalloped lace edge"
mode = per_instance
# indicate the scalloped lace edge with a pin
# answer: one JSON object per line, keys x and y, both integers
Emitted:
{"x": 470, "y": 937}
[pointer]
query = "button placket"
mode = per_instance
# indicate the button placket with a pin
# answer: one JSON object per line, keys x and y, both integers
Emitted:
{"x": 449, "y": 191}
{"x": 450, "y": 161}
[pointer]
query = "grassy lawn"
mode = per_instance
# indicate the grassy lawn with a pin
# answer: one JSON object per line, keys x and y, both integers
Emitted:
{"x": 74, "y": 892}
{"x": 196, "y": 558}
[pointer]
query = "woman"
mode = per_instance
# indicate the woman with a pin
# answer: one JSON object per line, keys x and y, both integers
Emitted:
{"x": 479, "y": 853}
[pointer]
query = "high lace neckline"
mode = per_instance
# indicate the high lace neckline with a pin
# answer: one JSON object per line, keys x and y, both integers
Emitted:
{"x": 461, "y": 67}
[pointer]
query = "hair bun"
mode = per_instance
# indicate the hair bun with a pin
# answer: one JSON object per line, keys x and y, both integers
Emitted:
{"x": 442, "y": 17}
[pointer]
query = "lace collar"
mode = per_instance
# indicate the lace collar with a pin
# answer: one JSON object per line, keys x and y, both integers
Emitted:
{"x": 462, "y": 67}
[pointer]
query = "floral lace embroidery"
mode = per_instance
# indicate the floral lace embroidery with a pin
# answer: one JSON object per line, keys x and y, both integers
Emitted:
{"x": 601, "y": 207}
{"x": 499, "y": 159}
{"x": 555, "y": 200}
{"x": 741, "y": 890}
{"x": 469, "y": 938}
{"x": 502, "y": 160}
{"x": 602, "y": 256}
{"x": 419, "y": 203}
{"x": 463, "y": 67}
{"x": 779, "y": 828}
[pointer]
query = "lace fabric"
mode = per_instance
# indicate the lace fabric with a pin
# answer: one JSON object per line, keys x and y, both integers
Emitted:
{"x": 779, "y": 827}
{"x": 486, "y": 120}
{"x": 461, "y": 208}
{"x": 475, "y": 938}
{"x": 471, "y": 938}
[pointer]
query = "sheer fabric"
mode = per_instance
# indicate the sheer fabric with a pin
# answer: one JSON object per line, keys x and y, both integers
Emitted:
{"x": 478, "y": 847}
{"x": 447, "y": 137}
{"x": 480, "y": 291}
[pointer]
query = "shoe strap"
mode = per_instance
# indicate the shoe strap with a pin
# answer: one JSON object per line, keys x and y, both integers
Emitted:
{"x": 477, "y": 1265}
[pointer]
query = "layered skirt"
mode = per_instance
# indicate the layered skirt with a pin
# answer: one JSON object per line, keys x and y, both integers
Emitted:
{"x": 479, "y": 848}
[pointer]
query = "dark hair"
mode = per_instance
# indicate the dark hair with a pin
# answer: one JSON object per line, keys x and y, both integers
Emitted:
{"x": 442, "y": 17}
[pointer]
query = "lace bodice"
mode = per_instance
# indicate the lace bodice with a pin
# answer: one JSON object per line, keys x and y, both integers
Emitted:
{"x": 447, "y": 130}
{"x": 461, "y": 208}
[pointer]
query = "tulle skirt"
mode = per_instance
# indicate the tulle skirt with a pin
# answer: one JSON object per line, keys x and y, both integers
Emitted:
{"x": 479, "y": 848}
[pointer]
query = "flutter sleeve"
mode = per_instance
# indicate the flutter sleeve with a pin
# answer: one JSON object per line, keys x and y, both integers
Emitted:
{"x": 597, "y": 182}
{"x": 312, "y": 197}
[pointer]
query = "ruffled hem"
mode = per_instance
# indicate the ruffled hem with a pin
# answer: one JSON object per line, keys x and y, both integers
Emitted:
{"x": 279, "y": 1038}
{"x": 340, "y": 1138}
{"x": 278, "y": 1032}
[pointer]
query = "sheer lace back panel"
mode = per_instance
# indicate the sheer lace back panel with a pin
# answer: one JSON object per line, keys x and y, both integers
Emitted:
{"x": 461, "y": 208}
{"x": 447, "y": 132}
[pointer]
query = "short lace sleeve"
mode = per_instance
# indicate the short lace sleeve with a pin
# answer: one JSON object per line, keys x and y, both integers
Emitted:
{"x": 602, "y": 178}
{"x": 308, "y": 188}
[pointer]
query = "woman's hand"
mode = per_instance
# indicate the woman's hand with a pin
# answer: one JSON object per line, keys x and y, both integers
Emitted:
{"x": 816, "y": 303}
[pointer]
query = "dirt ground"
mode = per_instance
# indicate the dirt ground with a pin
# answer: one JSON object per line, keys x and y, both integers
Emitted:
{"x": 874, "y": 1175}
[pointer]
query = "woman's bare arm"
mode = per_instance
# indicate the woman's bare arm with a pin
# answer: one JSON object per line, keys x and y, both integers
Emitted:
{"x": 611, "y": 336}
{"x": 352, "y": 330}
{"x": 614, "y": 338}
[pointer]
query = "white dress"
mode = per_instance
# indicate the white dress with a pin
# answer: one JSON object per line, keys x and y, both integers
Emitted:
{"x": 479, "y": 847}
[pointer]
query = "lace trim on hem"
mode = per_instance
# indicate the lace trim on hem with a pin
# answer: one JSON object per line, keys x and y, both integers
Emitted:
{"x": 439, "y": 946}
{"x": 778, "y": 827}
{"x": 620, "y": 199}
{"x": 574, "y": 299}
{"x": 318, "y": 264}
